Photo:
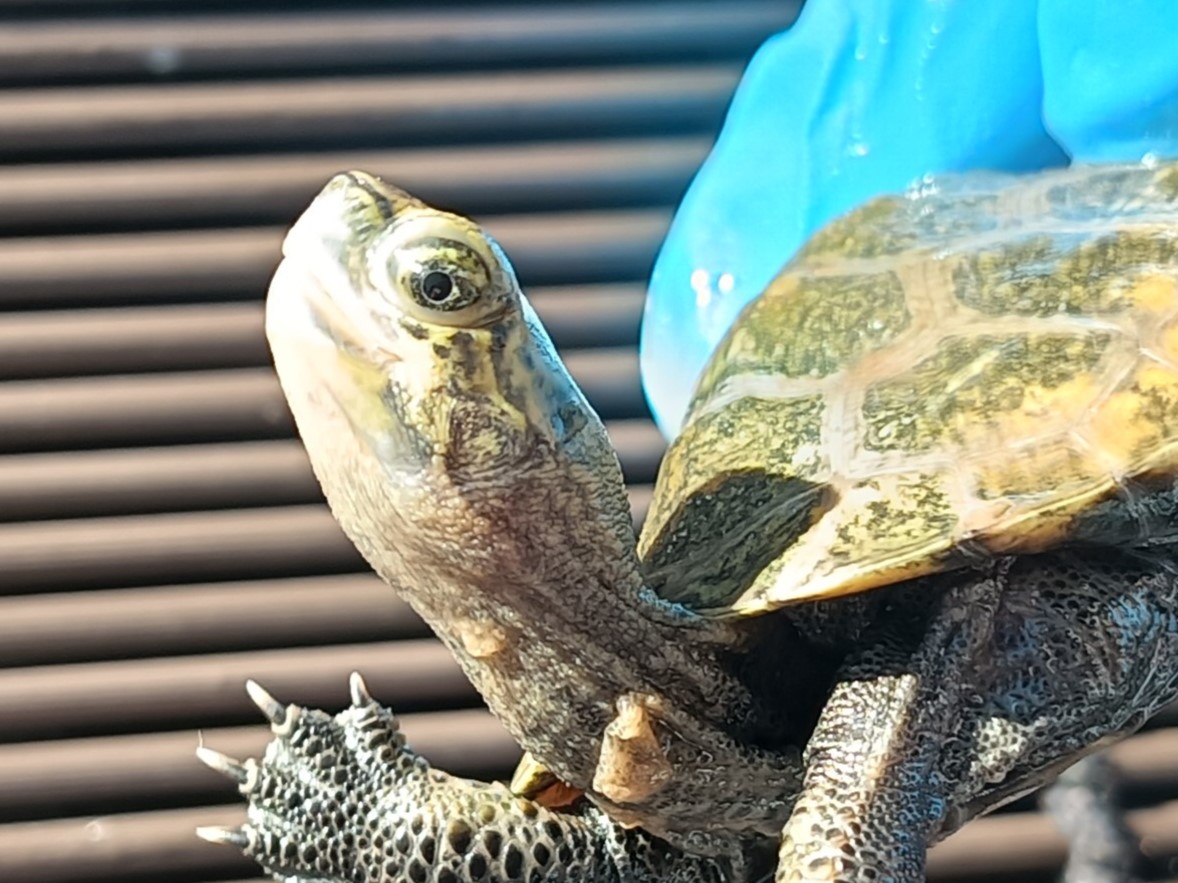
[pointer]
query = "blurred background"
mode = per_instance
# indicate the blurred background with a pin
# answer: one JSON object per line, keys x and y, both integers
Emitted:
{"x": 161, "y": 535}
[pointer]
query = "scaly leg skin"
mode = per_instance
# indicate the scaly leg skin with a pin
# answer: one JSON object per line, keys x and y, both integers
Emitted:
{"x": 1012, "y": 676}
{"x": 873, "y": 796}
{"x": 967, "y": 691}
{"x": 343, "y": 800}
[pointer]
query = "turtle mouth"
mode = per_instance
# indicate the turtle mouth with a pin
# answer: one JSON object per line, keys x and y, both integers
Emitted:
{"x": 302, "y": 305}
{"x": 351, "y": 335}
{"x": 327, "y": 352}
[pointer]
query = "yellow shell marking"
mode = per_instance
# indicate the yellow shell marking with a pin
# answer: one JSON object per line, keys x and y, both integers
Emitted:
{"x": 1154, "y": 293}
{"x": 1137, "y": 427}
{"x": 985, "y": 367}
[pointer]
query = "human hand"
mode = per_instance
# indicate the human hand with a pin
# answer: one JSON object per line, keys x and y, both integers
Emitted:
{"x": 863, "y": 98}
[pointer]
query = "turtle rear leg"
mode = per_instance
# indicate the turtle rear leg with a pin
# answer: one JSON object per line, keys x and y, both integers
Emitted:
{"x": 873, "y": 796}
{"x": 1009, "y": 677}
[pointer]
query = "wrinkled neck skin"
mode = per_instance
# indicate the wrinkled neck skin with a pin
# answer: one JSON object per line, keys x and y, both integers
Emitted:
{"x": 513, "y": 540}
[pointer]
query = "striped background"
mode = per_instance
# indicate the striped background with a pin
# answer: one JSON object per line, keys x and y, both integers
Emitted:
{"x": 161, "y": 536}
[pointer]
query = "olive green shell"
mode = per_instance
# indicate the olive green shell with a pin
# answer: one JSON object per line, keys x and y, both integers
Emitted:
{"x": 985, "y": 365}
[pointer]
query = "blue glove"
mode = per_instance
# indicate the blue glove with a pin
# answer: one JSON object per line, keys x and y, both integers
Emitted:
{"x": 863, "y": 97}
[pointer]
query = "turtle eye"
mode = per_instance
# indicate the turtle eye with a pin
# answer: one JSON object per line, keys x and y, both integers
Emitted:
{"x": 440, "y": 269}
{"x": 443, "y": 275}
{"x": 440, "y": 277}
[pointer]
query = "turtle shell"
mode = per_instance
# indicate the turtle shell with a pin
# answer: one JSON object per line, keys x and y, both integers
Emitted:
{"x": 983, "y": 366}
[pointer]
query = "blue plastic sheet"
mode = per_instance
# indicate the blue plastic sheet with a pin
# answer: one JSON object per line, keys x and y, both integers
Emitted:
{"x": 863, "y": 97}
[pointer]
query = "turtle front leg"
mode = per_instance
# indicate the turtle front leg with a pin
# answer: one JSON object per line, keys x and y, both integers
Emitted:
{"x": 343, "y": 800}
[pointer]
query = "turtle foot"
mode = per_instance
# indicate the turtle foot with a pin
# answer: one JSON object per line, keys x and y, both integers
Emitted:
{"x": 342, "y": 799}
{"x": 311, "y": 798}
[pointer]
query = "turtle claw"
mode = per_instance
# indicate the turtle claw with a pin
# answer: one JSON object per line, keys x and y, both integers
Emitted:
{"x": 225, "y": 765}
{"x": 238, "y": 837}
{"x": 324, "y": 780}
{"x": 338, "y": 798}
{"x": 274, "y": 711}
{"x": 361, "y": 698}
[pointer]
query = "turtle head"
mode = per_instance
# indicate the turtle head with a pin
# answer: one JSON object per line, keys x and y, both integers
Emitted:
{"x": 413, "y": 322}
{"x": 448, "y": 437}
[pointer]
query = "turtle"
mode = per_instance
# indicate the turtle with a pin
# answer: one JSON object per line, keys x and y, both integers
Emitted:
{"x": 912, "y": 555}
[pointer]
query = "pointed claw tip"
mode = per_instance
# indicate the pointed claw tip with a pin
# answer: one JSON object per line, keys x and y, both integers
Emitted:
{"x": 274, "y": 711}
{"x": 224, "y": 764}
{"x": 359, "y": 690}
{"x": 228, "y": 836}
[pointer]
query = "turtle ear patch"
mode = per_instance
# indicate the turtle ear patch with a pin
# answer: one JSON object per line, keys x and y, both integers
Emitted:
{"x": 710, "y": 551}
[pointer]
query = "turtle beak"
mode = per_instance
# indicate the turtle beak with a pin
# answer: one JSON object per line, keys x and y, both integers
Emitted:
{"x": 320, "y": 331}
{"x": 299, "y": 306}
{"x": 321, "y": 280}
{"x": 342, "y": 221}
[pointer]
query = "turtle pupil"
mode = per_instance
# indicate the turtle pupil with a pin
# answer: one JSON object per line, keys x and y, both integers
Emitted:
{"x": 436, "y": 286}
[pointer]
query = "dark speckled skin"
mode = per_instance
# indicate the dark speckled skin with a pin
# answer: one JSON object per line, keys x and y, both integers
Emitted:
{"x": 872, "y": 418}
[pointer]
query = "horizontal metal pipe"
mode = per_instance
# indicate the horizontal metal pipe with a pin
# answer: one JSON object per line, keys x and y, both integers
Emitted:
{"x": 121, "y": 269}
{"x": 274, "y": 188}
{"x": 404, "y": 39}
{"x": 65, "y": 777}
{"x": 1009, "y": 844}
{"x": 62, "y": 343}
{"x": 62, "y": 850}
{"x": 107, "y": 698}
{"x": 171, "y": 620}
{"x": 131, "y": 481}
{"x": 363, "y": 111}
{"x": 243, "y": 403}
{"x": 183, "y": 547}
